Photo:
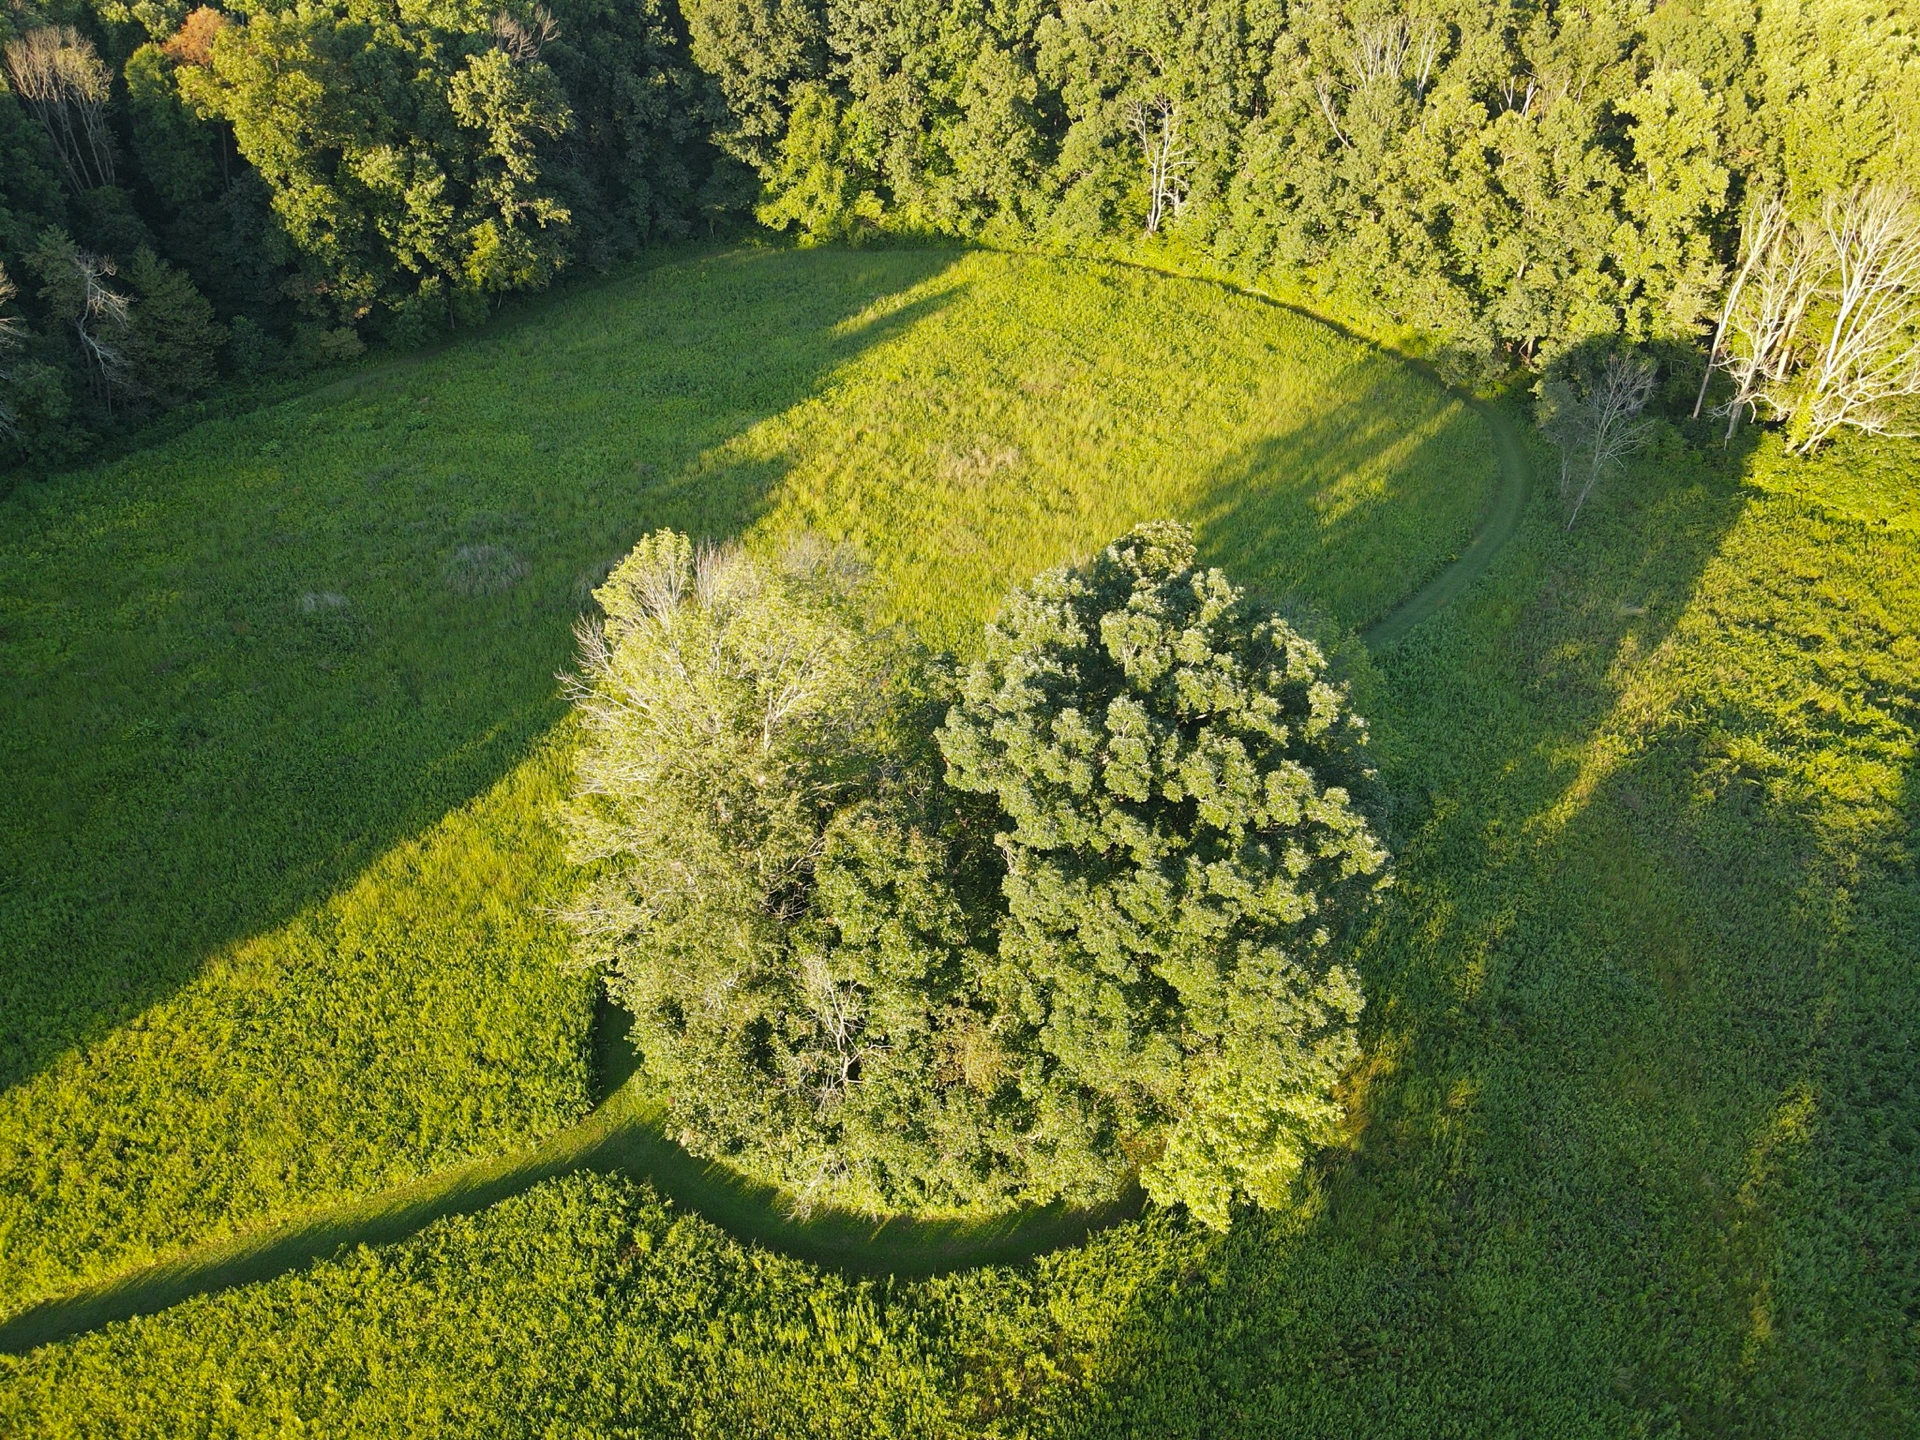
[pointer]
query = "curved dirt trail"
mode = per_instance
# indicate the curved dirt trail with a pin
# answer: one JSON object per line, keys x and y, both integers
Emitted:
{"x": 626, "y": 1132}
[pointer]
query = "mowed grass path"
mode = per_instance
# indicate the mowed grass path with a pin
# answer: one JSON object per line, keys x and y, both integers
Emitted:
{"x": 279, "y": 744}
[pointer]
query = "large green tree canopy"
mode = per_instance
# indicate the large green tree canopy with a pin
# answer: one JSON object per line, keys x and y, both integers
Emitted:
{"x": 1178, "y": 780}
{"x": 1091, "y": 926}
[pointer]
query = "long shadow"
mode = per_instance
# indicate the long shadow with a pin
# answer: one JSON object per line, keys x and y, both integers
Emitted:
{"x": 1252, "y": 508}
{"x": 1595, "y": 1017}
{"x": 232, "y": 680}
{"x": 1354, "y": 569}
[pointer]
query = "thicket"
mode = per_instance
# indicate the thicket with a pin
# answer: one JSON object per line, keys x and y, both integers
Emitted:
{"x": 271, "y": 185}
{"x": 1085, "y": 926}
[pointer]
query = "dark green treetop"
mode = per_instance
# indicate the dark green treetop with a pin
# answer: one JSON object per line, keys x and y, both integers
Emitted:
{"x": 1183, "y": 848}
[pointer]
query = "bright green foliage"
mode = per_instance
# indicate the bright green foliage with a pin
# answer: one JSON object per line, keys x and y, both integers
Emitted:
{"x": 820, "y": 180}
{"x": 1499, "y": 183}
{"x": 806, "y": 925}
{"x": 728, "y": 708}
{"x": 399, "y": 157}
{"x": 1177, "y": 775}
{"x": 793, "y": 910}
{"x": 1508, "y": 181}
{"x": 760, "y": 54}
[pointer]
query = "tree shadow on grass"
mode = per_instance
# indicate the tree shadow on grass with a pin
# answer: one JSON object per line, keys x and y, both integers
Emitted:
{"x": 625, "y": 1135}
{"x": 241, "y": 666}
{"x": 1633, "y": 1141}
{"x": 1433, "y": 485}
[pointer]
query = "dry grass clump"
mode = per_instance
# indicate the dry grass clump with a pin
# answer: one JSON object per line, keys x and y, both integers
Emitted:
{"x": 483, "y": 570}
{"x": 979, "y": 462}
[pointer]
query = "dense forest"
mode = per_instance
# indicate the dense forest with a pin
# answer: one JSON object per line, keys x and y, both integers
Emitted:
{"x": 192, "y": 194}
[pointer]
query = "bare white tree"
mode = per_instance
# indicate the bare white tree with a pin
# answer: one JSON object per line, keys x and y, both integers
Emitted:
{"x": 1430, "y": 39}
{"x": 1156, "y": 125}
{"x": 1378, "y": 50}
{"x": 10, "y": 341}
{"x": 1323, "y": 89}
{"x": 99, "y": 321}
{"x": 523, "y": 40}
{"x": 1519, "y": 91}
{"x": 1765, "y": 217}
{"x": 1597, "y": 425}
{"x": 1391, "y": 50}
{"x": 840, "y": 1020}
{"x": 1868, "y": 364}
{"x": 55, "y": 70}
{"x": 1757, "y": 342}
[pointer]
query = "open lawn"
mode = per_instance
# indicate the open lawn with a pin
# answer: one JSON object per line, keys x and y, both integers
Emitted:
{"x": 279, "y": 746}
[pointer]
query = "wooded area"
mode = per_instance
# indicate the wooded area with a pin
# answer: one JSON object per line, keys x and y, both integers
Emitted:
{"x": 191, "y": 192}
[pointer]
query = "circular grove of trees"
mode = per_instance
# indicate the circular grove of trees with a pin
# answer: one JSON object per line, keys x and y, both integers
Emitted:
{"x": 902, "y": 934}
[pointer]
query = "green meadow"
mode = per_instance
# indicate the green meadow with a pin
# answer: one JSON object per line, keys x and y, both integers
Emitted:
{"x": 281, "y": 742}
{"x": 1632, "y": 1150}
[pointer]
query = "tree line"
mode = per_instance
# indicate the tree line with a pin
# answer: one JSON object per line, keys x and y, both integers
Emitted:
{"x": 190, "y": 191}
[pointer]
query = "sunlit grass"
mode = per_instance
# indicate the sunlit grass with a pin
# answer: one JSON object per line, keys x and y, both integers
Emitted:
{"x": 278, "y": 744}
{"x": 1632, "y": 1150}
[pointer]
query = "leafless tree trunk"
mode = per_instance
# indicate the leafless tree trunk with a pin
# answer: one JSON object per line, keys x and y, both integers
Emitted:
{"x": 99, "y": 322}
{"x": 1765, "y": 320}
{"x": 836, "y": 1010}
{"x": 1428, "y": 43}
{"x": 1758, "y": 231}
{"x": 1327, "y": 108}
{"x": 1518, "y": 97}
{"x": 1156, "y": 126}
{"x": 55, "y": 71}
{"x": 523, "y": 40}
{"x": 1598, "y": 430}
{"x": 1378, "y": 50}
{"x": 1870, "y": 361}
{"x": 9, "y": 343}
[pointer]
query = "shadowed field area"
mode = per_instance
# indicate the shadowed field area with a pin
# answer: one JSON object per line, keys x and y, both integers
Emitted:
{"x": 1631, "y": 1151}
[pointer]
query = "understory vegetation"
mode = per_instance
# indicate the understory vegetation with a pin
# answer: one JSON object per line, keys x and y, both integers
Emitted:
{"x": 280, "y": 748}
{"x": 1629, "y": 1150}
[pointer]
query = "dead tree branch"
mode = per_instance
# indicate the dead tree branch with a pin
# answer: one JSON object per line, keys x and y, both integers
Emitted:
{"x": 66, "y": 87}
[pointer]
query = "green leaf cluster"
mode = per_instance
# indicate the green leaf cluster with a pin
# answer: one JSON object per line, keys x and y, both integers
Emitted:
{"x": 1179, "y": 782}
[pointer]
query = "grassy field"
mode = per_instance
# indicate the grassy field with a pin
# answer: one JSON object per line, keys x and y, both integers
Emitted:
{"x": 1633, "y": 1151}
{"x": 279, "y": 732}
